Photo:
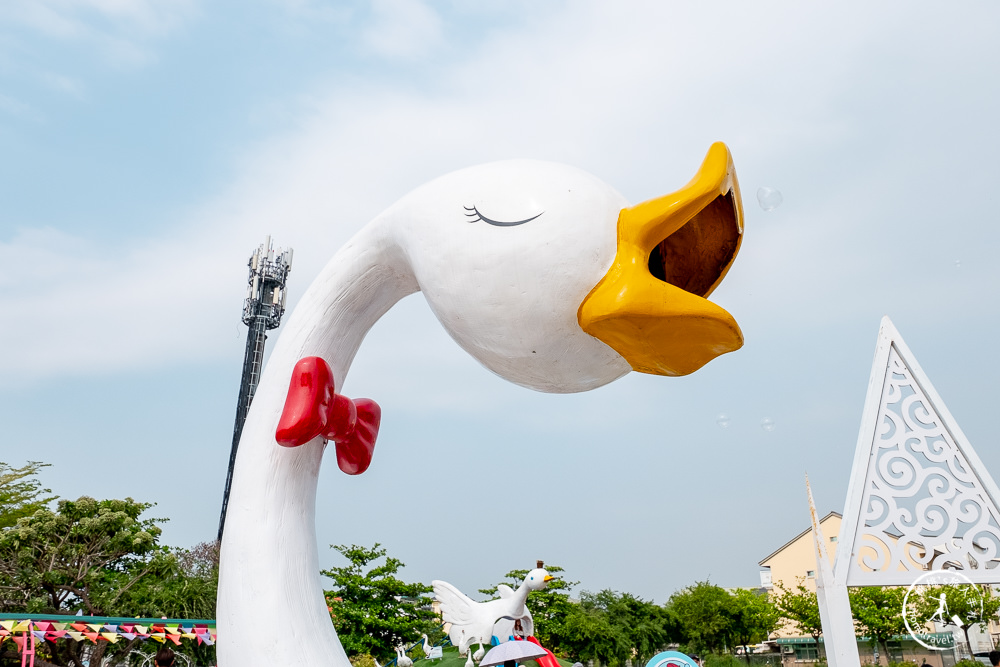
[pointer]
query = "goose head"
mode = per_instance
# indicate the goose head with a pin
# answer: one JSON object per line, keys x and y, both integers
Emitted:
{"x": 537, "y": 579}
{"x": 546, "y": 276}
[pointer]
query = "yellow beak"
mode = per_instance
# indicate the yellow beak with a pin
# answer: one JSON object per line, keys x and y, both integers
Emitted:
{"x": 548, "y": 578}
{"x": 650, "y": 306}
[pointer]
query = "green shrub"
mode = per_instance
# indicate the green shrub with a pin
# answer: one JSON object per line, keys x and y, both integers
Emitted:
{"x": 723, "y": 660}
{"x": 362, "y": 660}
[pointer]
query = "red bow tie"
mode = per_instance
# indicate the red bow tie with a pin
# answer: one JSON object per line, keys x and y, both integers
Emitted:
{"x": 313, "y": 408}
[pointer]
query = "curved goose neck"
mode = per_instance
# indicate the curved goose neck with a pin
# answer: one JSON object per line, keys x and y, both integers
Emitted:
{"x": 269, "y": 563}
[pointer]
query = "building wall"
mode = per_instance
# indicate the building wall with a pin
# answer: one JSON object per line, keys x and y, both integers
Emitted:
{"x": 797, "y": 559}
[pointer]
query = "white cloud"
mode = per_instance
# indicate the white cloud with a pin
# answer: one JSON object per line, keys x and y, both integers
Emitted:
{"x": 634, "y": 95}
{"x": 403, "y": 29}
{"x": 121, "y": 30}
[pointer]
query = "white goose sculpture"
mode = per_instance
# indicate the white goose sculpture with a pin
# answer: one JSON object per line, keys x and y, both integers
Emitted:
{"x": 540, "y": 271}
{"x": 403, "y": 660}
{"x": 472, "y": 622}
{"x": 426, "y": 644}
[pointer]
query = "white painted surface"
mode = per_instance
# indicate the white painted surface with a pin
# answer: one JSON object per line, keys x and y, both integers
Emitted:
{"x": 920, "y": 498}
{"x": 508, "y": 295}
{"x": 474, "y": 622}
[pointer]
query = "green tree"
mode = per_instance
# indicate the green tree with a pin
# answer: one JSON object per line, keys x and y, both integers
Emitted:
{"x": 21, "y": 494}
{"x": 372, "y": 609}
{"x": 703, "y": 610}
{"x": 964, "y": 606}
{"x": 878, "y": 614}
{"x": 187, "y": 585}
{"x": 616, "y": 627}
{"x": 754, "y": 617}
{"x": 588, "y": 633}
{"x": 800, "y": 606}
{"x": 88, "y": 555}
{"x": 549, "y": 607}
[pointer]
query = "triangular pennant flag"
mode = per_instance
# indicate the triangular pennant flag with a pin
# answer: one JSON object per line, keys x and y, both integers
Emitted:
{"x": 157, "y": 638}
{"x": 59, "y": 626}
{"x": 110, "y": 628}
{"x": 79, "y": 627}
{"x": 95, "y": 627}
{"x": 128, "y": 635}
{"x": 78, "y": 636}
{"x": 126, "y": 627}
{"x": 919, "y": 497}
{"x": 22, "y": 626}
{"x": 39, "y": 634}
{"x": 7, "y": 625}
{"x": 176, "y": 639}
{"x": 141, "y": 629}
{"x": 110, "y": 636}
{"x": 45, "y": 626}
{"x": 92, "y": 636}
{"x": 189, "y": 635}
{"x": 200, "y": 640}
{"x": 57, "y": 634}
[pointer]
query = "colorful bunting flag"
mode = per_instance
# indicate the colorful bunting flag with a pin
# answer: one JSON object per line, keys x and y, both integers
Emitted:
{"x": 46, "y": 630}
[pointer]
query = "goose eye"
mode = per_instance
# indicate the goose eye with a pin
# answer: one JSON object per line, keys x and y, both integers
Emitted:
{"x": 472, "y": 214}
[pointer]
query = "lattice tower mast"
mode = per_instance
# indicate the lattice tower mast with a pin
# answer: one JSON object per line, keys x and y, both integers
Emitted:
{"x": 262, "y": 311}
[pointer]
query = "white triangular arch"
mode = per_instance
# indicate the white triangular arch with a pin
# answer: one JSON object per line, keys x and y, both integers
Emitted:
{"x": 919, "y": 497}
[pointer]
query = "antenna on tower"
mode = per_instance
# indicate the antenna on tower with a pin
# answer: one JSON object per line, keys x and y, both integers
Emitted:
{"x": 262, "y": 311}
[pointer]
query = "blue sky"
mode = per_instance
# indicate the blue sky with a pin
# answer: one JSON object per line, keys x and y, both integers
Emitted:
{"x": 147, "y": 147}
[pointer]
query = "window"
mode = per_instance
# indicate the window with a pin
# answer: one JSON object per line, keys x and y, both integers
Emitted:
{"x": 811, "y": 574}
{"x": 833, "y": 539}
{"x": 803, "y": 652}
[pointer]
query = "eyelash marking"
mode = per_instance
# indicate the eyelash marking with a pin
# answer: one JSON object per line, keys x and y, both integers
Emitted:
{"x": 475, "y": 216}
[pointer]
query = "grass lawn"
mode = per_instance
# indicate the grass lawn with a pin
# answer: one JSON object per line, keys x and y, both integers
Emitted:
{"x": 453, "y": 659}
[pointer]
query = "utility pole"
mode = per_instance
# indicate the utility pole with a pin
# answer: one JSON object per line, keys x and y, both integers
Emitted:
{"x": 262, "y": 311}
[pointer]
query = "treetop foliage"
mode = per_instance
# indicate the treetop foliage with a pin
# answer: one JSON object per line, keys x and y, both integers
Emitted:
{"x": 372, "y": 609}
{"x": 21, "y": 494}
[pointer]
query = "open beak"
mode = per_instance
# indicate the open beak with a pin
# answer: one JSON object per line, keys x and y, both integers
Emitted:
{"x": 650, "y": 306}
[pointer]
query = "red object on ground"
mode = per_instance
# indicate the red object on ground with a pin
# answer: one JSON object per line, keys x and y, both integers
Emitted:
{"x": 547, "y": 660}
{"x": 313, "y": 409}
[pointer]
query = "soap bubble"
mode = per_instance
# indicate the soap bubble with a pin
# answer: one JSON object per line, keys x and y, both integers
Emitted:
{"x": 769, "y": 198}
{"x": 767, "y": 424}
{"x": 722, "y": 420}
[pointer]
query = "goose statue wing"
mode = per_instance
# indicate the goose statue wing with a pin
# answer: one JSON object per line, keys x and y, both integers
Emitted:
{"x": 456, "y": 607}
{"x": 505, "y": 591}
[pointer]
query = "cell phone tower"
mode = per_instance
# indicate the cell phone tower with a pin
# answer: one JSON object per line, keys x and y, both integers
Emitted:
{"x": 262, "y": 311}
